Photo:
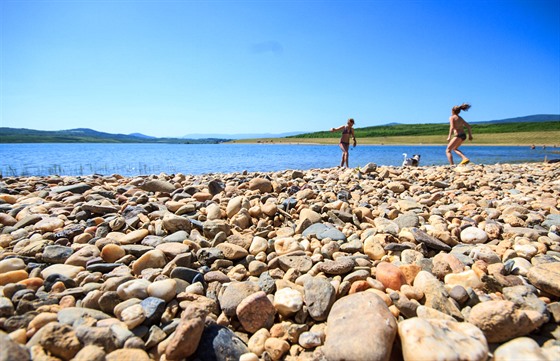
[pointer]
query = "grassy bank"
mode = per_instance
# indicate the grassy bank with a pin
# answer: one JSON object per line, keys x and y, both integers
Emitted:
{"x": 538, "y": 138}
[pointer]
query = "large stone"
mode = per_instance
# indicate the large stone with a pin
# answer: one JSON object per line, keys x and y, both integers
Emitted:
{"x": 473, "y": 235}
{"x": 319, "y": 296}
{"x": 501, "y": 321}
{"x": 341, "y": 265}
{"x": 60, "y": 340}
{"x": 263, "y": 185}
{"x": 63, "y": 269}
{"x": 360, "y": 327}
{"x": 158, "y": 186}
{"x": 151, "y": 259}
{"x": 256, "y": 312}
{"x": 436, "y": 295}
{"x": 434, "y": 339}
{"x": 83, "y": 255}
{"x": 11, "y": 264}
{"x": 234, "y": 293}
{"x": 546, "y": 277}
{"x": 128, "y": 354}
{"x": 524, "y": 348}
{"x": 11, "y": 350}
{"x": 187, "y": 335}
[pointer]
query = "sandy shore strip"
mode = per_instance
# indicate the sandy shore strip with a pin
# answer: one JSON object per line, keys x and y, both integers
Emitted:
{"x": 380, "y": 263}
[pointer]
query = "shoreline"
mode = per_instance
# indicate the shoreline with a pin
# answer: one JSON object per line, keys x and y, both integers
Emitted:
{"x": 280, "y": 265}
{"x": 272, "y": 142}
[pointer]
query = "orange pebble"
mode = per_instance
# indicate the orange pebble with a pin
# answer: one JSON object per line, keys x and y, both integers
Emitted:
{"x": 359, "y": 286}
{"x": 32, "y": 283}
{"x": 67, "y": 301}
{"x": 12, "y": 277}
{"x": 58, "y": 287}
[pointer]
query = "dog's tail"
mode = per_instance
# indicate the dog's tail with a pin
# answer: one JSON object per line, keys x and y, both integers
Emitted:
{"x": 404, "y": 155}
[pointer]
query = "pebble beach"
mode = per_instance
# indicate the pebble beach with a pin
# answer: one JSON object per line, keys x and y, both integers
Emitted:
{"x": 371, "y": 263}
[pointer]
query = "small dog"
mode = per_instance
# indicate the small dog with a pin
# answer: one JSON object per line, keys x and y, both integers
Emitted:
{"x": 411, "y": 162}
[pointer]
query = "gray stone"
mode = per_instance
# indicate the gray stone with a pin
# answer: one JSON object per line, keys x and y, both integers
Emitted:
{"x": 300, "y": 263}
{"x": 339, "y": 266}
{"x": 319, "y": 296}
{"x": 218, "y": 343}
{"x": 56, "y": 254}
{"x": 551, "y": 220}
{"x": 314, "y": 229}
{"x": 11, "y": 350}
{"x": 6, "y": 307}
{"x": 74, "y": 188}
{"x": 70, "y": 315}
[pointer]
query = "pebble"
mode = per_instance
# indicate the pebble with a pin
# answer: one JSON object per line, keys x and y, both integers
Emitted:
{"x": 11, "y": 264}
{"x": 256, "y": 312}
{"x": 281, "y": 265}
{"x": 13, "y": 277}
{"x": 288, "y": 301}
{"x": 164, "y": 289}
{"x": 390, "y": 275}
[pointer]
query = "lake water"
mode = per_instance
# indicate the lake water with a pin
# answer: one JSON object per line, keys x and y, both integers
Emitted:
{"x": 138, "y": 159}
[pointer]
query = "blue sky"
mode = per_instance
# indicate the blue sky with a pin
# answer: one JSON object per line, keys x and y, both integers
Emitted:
{"x": 170, "y": 68}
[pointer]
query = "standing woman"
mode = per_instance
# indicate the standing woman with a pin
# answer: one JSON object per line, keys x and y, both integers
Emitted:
{"x": 457, "y": 127}
{"x": 347, "y": 132}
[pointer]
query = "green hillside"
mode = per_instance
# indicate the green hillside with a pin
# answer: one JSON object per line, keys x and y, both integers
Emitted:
{"x": 437, "y": 129}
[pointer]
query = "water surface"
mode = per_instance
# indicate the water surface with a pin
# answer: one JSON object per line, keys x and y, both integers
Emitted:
{"x": 136, "y": 159}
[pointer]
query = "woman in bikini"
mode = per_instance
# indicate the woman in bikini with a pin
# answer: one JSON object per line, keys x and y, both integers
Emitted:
{"x": 457, "y": 127}
{"x": 347, "y": 132}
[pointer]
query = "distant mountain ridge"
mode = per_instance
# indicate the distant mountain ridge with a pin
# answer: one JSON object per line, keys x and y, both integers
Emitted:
{"x": 86, "y": 135}
{"x": 529, "y": 119}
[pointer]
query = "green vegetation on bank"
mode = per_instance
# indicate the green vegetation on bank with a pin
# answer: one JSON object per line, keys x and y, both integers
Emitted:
{"x": 400, "y": 130}
{"x": 82, "y": 135}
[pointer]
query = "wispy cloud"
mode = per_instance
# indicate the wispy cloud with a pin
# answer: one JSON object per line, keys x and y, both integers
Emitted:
{"x": 270, "y": 46}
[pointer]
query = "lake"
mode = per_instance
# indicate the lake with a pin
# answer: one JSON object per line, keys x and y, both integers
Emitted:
{"x": 42, "y": 159}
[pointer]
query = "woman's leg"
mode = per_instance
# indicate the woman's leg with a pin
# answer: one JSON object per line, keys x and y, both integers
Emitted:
{"x": 344, "y": 148}
{"x": 452, "y": 146}
{"x": 464, "y": 158}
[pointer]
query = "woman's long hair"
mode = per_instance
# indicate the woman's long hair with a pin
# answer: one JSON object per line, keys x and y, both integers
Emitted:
{"x": 457, "y": 108}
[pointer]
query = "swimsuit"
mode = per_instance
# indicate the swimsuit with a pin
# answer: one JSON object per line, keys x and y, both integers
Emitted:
{"x": 344, "y": 132}
{"x": 462, "y": 136}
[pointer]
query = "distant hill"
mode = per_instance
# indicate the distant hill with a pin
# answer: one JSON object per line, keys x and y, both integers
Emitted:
{"x": 85, "y": 135}
{"x": 526, "y": 119}
{"x": 242, "y": 135}
{"x": 533, "y": 123}
{"x": 140, "y": 135}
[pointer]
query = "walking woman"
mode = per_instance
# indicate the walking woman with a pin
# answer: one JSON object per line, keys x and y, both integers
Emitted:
{"x": 457, "y": 127}
{"x": 347, "y": 132}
